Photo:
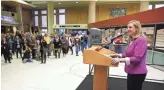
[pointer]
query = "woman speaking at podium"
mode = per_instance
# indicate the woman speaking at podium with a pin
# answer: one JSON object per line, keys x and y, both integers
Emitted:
{"x": 134, "y": 57}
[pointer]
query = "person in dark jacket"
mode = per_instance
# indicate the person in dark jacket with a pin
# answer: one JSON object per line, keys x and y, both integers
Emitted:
{"x": 84, "y": 40}
{"x": 13, "y": 44}
{"x": 6, "y": 50}
{"x": 18, "y": 44}
{"x": 65, "y": 45}
{"x": 10, "y": 43}
{"x": 43, "y": 50}
{"x": 33, "y": 47}
{"x": 27, "y": 55}
{"x": 57, "y": 46}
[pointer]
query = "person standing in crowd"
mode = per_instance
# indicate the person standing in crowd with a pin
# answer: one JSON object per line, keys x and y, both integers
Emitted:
{"x": 43, "y": 50}
{"x": 84, "y": 41}
{"x": 1, "y": 45}
{"x": 52, "y": 44}
{"x": 70, "y": 41}
{"x": 33, "y": 47}
{"x": 13, "y": 44}
{"x": 23, "y": 43}
{"x": 5, "y": 50}
{"x": 64, "y": 45}
{"x": 48, "y": 41}
{"x": 29, "y": 41}
{"x": 18, "y": 47}
{"x": 109, "y": 39}
{"x": 79, "y": 36}
{"x": 105, "y": 42}
{"x": 38, "y": 54}
{"x": 18, "y": 34}
{"x": 134, "y": 57}
{"x": 77, "y": 44}
{"x": 67, "y": 38}
{"x": 10, "y": 43}
{"x": 57, "y": 46}
{"x": 38, "y": 36}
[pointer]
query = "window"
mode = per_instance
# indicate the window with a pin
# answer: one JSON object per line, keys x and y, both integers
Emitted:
{"x": 44, "y": 21}
{"x": 36, "y": 20}
{"x": 43, "y": 12}
{"x": 61, "y": 10}
{"x": 159, "y": 5}
{"x": 35, "y": 12}
{"x": 61, "y": 19}
{"x": 54, "y": 19}
{"x": 54, "y": 11}
{"x": 150, "y": 7}
{"x": 44, "y": 31}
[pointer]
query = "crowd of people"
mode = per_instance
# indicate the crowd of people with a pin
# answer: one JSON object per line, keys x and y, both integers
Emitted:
{"x": 39, "y": 47}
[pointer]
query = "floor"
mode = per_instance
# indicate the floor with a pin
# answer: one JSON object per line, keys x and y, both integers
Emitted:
{"x": 57, "y": 74}
{"x": 158, "y": 67}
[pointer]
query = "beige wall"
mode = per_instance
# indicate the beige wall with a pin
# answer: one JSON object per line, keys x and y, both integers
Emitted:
{"x": 103, "y": 11}
{"x": 79, "y": 15}
{"x": 27, "y": 17}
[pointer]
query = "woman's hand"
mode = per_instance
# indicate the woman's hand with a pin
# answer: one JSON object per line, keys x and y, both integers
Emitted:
{"x": 121, "y": 60}
{"x": 115, "y": 60}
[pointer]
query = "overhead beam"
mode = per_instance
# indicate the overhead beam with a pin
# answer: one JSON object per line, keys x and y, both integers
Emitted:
{"x": 146, "y": 17}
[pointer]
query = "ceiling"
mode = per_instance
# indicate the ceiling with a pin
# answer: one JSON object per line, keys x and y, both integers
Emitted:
{"x": 67, "y": 3}
{"x": 57, "y": 4}
{"x": 16, "y": 4}
{"x": 73, "y": 3}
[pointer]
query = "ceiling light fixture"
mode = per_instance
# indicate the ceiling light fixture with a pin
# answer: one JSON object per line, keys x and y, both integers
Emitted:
{"x": 58, "y": 3}
{"x": 77, "y": 2}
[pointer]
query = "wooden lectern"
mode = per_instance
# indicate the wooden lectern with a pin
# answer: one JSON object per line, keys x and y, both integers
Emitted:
{"x": 94, "y": 55}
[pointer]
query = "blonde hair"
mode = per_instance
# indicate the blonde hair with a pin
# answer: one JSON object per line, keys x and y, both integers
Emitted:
{"x": 137, "y": 26}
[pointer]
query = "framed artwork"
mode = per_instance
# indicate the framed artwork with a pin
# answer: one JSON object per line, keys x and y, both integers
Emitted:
{"x": 116, "y": 12}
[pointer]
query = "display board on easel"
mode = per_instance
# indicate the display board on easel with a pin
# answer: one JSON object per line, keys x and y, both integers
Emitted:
{"x": 160, "y": 38}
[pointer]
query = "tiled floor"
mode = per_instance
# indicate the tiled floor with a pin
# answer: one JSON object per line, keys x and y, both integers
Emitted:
{"x": 57, "y": 74}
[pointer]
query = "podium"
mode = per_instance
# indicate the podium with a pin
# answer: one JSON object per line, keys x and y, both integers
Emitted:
{"x": 94, "y": 55}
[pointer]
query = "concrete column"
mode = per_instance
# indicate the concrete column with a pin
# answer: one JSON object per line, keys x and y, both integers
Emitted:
{"x": 92, "y": 12}
{"x": 144, "y": 5}
{"x": 50, "y": 14}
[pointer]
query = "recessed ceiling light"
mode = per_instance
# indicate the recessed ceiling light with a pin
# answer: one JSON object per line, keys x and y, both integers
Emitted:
{"x": 58, "y": 3}
{"x": 77, "y": 2}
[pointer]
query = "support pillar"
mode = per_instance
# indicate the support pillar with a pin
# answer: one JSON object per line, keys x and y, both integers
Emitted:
{"x": 144, "y": 5}
{"x": 19, "y": 18}
{"x": 92, "y": 12}
{"x": 50, "y": 9}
